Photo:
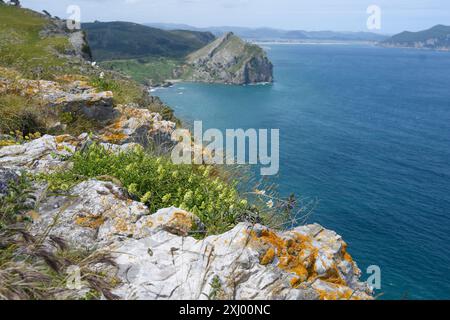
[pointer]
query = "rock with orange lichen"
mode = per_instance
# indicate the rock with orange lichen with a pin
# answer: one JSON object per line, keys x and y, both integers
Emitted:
{"x": 249, "y": 262}
{"x": 49, "y": 153}
{"x": 74, "y": 96}
{"x": 41, "y": 155}
{"x": 139, "y": 125}
{"x": 94, "y": 214}
{"x": 175, "y": 221}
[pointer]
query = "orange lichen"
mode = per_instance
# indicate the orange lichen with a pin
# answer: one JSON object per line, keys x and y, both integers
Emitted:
{"x": 93, "y": 222}
{"x": 60, "y": 139}
{"x": 333, "y": 276}
{"x": 347, "y": 257}
{"x": 117, "y": 125}
{"x": 289, "y": 253}
{"x": 345, "y": 294}
{"x": 268, "y": 257}
{"x": 296, "y": 255}
{"x": 114, "y": 137}
{"x": 182, "y": 219}
{"x": 295, "y": 282}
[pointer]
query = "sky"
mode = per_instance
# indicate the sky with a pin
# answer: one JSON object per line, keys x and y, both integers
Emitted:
{"x": 336, "y": 15}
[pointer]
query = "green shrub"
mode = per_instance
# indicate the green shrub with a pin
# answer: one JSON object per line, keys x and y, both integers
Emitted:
{"x": 159, "y": 183}
{"x": 16, "y": 202}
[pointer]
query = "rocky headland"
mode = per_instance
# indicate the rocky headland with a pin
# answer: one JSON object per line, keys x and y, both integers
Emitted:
{"x": 230, "y": 60}
{"x": 435, "y": 38}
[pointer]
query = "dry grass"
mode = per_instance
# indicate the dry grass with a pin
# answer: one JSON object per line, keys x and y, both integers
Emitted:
{"x": 36, "y": 266}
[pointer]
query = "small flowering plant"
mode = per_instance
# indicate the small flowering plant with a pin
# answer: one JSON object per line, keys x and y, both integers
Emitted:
{"x": 159, "y": 183}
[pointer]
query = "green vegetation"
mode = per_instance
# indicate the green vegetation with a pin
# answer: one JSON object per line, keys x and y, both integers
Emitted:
{"x": 15, "y": 202}
{"x": 148, "y": 55}
{"x": 158, "y": 183}
{"x": 24, "y": 54}
{"x": 23, "y": 49}
{"x": 156, "y": 69}
{"x": 439, "y": 37}
{"x": 211, "y": 193}
{"x": 125, "y": 40}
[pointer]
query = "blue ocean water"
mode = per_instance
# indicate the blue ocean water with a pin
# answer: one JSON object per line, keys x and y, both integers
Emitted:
{"x": 366, "y": 130}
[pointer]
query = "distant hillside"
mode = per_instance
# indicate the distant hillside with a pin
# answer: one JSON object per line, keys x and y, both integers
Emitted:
{"x": 126, "y": 40}
{"x": 270, "y": 34}
{"x": 437, "y": 38}
{"x": 230, "y": 60}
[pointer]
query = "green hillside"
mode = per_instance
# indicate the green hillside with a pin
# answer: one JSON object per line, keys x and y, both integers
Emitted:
{"x": 437, "y": 37}
{"x": 126, "y": 40}
{"x": 26, "y": 52}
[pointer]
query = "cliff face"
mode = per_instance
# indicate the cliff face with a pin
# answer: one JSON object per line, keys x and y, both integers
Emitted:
{"x": 230, "y": 60}
{"x": 155, "y": 253}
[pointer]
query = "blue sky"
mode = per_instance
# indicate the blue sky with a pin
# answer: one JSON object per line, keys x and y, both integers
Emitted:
{"x": 337, "y": 15}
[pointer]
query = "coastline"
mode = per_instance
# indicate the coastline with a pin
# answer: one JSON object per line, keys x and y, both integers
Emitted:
{"x": 312, "y": 42}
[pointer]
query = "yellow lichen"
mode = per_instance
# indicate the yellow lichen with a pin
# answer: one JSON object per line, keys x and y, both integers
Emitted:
{"x": 121, "y": 225}
{"x": 5, "y": 143}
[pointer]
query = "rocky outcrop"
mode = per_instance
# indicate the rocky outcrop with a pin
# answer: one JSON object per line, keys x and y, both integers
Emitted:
{"x": 230, "y": 60}
{"x": 157, "y": 255}
{"x": 74, "y": 96}
{"x": 139, "y": 125}
{"x": 48, "y": 154}
{"x": 248, "y": 262}
{"x": 118, "y": 124}
{"x": 79, "y": 46}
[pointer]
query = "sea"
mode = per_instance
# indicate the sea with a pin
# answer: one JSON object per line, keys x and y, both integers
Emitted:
{"x": 365, "y": 132}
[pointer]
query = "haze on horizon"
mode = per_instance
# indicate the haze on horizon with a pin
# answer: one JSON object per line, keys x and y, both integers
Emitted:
{"x": 311, "y": 15}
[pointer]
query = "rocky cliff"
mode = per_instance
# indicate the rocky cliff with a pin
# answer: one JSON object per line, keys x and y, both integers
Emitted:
{"x": 156, "y": 254}
{"x": 127, "y": 232}
{"x": 156, "y": 257}
{"x": 230, "y": 60}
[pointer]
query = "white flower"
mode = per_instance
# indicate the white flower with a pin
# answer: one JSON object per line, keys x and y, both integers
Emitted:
{"x": 270, "y": 204}
{"x": 102, "y": 75}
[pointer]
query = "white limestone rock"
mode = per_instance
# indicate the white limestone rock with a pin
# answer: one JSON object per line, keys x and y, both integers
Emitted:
{"x": 95, "y": 214}
{"x": 41, "y": 155}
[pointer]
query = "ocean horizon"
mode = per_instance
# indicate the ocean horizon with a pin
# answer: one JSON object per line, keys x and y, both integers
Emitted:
{"x": 365, "y": 130}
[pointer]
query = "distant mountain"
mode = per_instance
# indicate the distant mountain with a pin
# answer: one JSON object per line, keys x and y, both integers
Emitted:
{"x": 270, "y": 34}
{"x": 436, "y": 38}
{"x": 126, "y": 40}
